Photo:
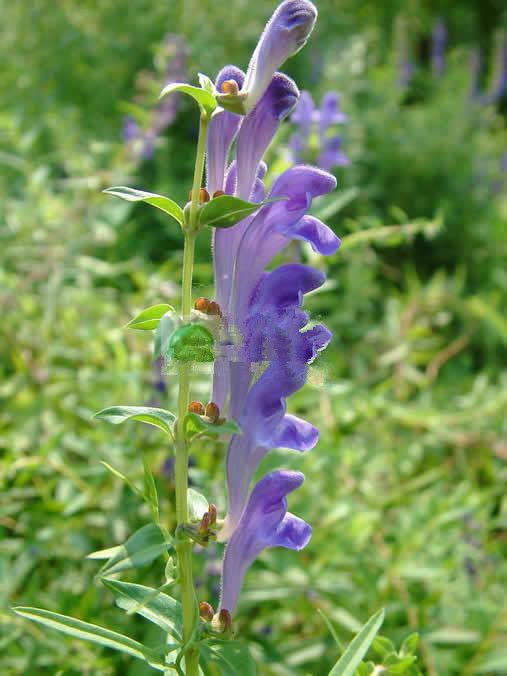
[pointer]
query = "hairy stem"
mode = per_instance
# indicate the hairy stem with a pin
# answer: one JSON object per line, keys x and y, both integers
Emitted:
{"x": 184, "y": 548}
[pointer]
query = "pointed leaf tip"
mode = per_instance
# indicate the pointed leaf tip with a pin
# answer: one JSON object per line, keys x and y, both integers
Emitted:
{"x": 161, "y": 202}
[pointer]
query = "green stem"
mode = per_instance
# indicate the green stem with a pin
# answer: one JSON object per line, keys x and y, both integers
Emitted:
{"x": 199, "y": 169}
{"x": 184, "y": 548}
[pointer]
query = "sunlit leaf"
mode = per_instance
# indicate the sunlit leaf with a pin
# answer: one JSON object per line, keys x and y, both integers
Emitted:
{"x": 197, "y": 424}
{"x": 150, "y": 318}
{"x": 143, "y": 547}
{"x": 161, "y": 609}
{"x": 358, "y": 647}
{"x": 226, "y": 210}
{"x": 158, "y": 417}
{"x": 227, "y": 658}
{"x": 204, "y": 98}
{"x": 92, "y": 632}
{"x": 165, "y": 204}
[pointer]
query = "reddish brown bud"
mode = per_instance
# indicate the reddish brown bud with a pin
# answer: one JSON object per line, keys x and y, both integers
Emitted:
{"x": 218, "y": 193}
{"x": 230, "y": 87}
{"x": 196, "y": 407}
{"x": 224, "y": 619}
{"x": 203, "y": 195}
{"x": 190, "y": 196}
{"x": 202, "y": 304}
{"x": 204, "y": 525}
{"x": 212, "y": 411}
{"x": 214, "y": 309}
{"x": 212, "y": 511}
{"x": 206, "y": 611}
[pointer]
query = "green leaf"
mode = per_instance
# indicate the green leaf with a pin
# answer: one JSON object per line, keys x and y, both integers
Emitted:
{"x": 102, "y": 554}
{"x": 207, "y": 102}
{"x": 115, "y": 472}
{"x": 206, "y": 83}
{"x": 144, "y": 546}
{"x": 159, "y": 201}
{"x": 409, "y": 645}
{"x": 197, "y": 424}
{"x": 158, "y": 417}
{"x": 225, "y": 211}
{"x": 358, "y": 647}
{"x": 383, "y": 646}
{"x": 92, "y": 632}
{"x": 150, "y": 318}
{"x": 150, "y": 488}
{"x": 227, "y": 658}
{"x": 192, "y": 343}
{"x": 161, "y": 609}
{"x": 197, "y": 505}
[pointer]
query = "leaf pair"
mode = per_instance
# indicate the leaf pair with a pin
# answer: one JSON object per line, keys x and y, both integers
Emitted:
{"x": 220, "y": 212}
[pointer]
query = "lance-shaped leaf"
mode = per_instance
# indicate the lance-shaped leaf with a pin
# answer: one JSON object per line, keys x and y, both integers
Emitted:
{"x": 228, "y": 658}
{"x": 207, "y": 102}
{"x": 159, "y": 201}
{"x": 198, "y": 424}
{"x": 226, "y": 210}
{"x": 93, "y": 633}
{"x": 150, "y": 318}
{"x": 357, "y": 649}
{"x": 143, "y": 547}
{"x": 158, "y": 417}
{"x": 160, "y": 609}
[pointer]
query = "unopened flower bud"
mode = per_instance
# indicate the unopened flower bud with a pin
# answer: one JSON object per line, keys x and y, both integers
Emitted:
{"x": 196, "y": 407}
{"x": 206, "y": 611}
{"x": 285, "y": 34}
{"x": 202, "y": 304}
{"x": 204, "y": 525}
{"x": 214, "y": 309}
{"x": 203, "y": 195}
{"x": 224, "y": 620}
{"x": 212, "y": 511}
{"x": 190, "y": 193}
{"x": 230, "y": 87}
{"x": 212, "y": 411}
{"x": 218, "y": 193}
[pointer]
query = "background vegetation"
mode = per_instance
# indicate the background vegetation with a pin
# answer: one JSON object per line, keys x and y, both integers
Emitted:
{"x": 406, "y": 491}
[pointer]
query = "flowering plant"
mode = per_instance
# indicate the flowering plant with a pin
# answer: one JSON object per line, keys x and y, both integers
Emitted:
{"x": 258, "y": 338}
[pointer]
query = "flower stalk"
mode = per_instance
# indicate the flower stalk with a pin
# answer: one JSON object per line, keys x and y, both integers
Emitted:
{"x": 184, "y": 547}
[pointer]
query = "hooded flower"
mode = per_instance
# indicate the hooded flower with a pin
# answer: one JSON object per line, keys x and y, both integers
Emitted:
{"x": 265, "y": 523}
{"x": 267, "y": 345}
{"x": 285, "y": 34}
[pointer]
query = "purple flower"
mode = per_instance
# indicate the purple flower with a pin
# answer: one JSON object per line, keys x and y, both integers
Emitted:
{"x": 311, "y": 120}
{"x": 406, "y": 68}
{"x": 131, "y": 130}
{"x": 266, "y": 346}
{"x": 438, "y": 46}
{"x": 222, "y": 130}
{"x": 274, "y": 338}
{"x": 259, "y": 127}
{"x": 499, "y": 86}
{"x": 265, "y": 523}
{"x": 141, "y": 141}
{"x": 284, "y": 35}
